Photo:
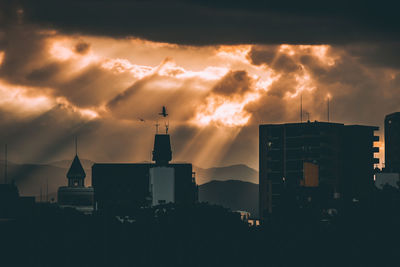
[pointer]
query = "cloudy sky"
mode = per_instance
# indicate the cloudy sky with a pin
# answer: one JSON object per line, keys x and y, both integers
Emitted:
{"x": 102, "y": 70}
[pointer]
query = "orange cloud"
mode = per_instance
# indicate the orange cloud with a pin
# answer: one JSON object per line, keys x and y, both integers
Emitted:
{"x": 20, "y": 100}
{"x": 1, "y": 57}
{"x": 214, "y": 94}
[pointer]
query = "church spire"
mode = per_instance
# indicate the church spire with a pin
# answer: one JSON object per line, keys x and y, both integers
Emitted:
{"x": 76, "y": 174}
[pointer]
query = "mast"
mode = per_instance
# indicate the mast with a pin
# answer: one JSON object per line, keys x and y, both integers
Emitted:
{"x": 301, "y": 107}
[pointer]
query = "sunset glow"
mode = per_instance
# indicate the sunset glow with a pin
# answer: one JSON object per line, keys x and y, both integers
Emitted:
{"x": 120, "y": 65}
{"x": 18, "y": 99}
{"x": 1, "y": 57}
{"x": 59, "y": 50}
{"x": 225, "y": 87}
{"x": 199, "y": 133}
{"x": 223, "y": 114}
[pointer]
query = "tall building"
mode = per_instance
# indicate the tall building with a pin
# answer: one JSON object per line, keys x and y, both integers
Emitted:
{"x": 334, "y": 157}
{"x": 392, "y": 142}
{"x": 76, "y": 194}
{"x": 122, "y": 189}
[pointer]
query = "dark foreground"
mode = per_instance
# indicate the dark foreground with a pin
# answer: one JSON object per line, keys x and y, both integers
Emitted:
{"x": 359, "y": 235}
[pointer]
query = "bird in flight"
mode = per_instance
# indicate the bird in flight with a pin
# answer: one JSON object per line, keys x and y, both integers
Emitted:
{"x": 164, "y": 112}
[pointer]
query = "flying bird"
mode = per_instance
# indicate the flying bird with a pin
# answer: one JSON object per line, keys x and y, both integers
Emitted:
{"x": 141, "y": 119}
{"x": 164, "y": 112}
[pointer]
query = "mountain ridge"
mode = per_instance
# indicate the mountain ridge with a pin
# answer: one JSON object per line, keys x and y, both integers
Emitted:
{"x": 240, "y": 172}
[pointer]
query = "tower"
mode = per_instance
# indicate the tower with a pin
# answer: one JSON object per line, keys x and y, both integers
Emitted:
{"x": 162, "y": 153}
{"x": 76, "y": 195}
{"x": 76, "y": 174}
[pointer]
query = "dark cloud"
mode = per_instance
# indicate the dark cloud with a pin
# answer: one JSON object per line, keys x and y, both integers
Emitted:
{"x": 284, "y": 63}
{"x": 25, "y": 51}
{"x": 314, "y": 65}
{"x": 82, "y": 47}
{"x": 233, "y": 83}
{"x": 376, "y": 55}
{"x": 271, "y": 56}
{"x": 222, "y": 22}
{"x": 285, "y": 84}
{"x": 269, "y": 108}
{"x": 44, "y": 73}
{"x": 263, "y": 54}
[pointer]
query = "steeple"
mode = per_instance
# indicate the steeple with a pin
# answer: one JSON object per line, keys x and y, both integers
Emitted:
{"x": 76, "y": 174}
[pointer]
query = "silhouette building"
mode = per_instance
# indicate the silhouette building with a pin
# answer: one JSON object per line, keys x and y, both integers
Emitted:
{"x": 392, "y": 142}
{"x": 122, "y": 189}
{"x": 76, "y": 195}
{"x": 9, "y": 200}
{"x": 333, "y": 157}
{"x": 12, "y": 205}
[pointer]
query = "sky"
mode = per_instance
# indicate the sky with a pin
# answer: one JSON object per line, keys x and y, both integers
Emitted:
{"x": 102, "y": 70}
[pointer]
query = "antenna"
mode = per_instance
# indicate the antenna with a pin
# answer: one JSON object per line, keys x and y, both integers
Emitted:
{"x": 166, "y": 127}
{"x": 157, "y": 125}
{"x": 5, "y": 163}
{"x": 301, "y": 107}
{"x": 40, "y": 193}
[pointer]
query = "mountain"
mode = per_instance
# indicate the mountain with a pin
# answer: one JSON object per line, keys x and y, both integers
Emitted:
{"x": 234, "y": 172}
{"x": 232, "y": 194}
